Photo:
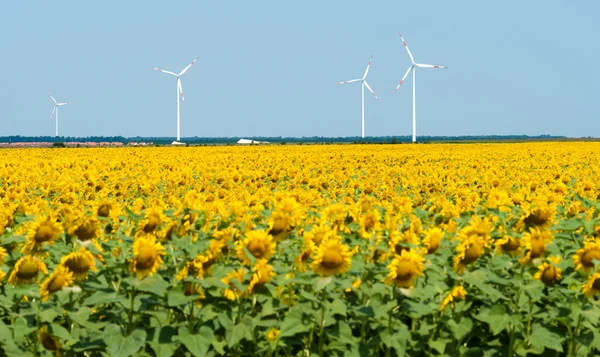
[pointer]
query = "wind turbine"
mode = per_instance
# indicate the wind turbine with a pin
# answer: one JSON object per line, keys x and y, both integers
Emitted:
{"x": 364, "y": 84}
{"x": 56, "y": 105}
{"x": 179, "y": 91}
{"x": 412, "y": 68}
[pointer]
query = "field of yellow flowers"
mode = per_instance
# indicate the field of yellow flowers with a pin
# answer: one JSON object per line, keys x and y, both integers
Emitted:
{"x": 329, "y": 250}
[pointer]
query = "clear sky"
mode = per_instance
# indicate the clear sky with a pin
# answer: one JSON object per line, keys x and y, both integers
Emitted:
{"x": 270, "y": 68}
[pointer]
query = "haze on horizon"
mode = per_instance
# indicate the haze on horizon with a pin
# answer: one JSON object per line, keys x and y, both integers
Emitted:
{"x": 271, "y": 69}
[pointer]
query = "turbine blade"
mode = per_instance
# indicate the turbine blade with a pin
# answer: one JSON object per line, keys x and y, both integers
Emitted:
{"x": 406, "y": 46}
{"x": 180, "y": 90}
{"x": 61, "y": 104}
{"x": 354, "y": 80}
{"x": 163, "y": 71}
{"x": 370, "y": 90}
{"x": 420, "y": 65}
{"x": 368, "y": 66}
{"x": 188, "y": 67}
{"x": 53, "y": 110}
{"x": 54, "y": 100}
{"x": 403, "y": 78}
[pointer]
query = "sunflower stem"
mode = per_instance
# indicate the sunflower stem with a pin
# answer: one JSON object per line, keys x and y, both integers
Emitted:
{"x": 322, "y": 324}
{"x": 130, "y": 326}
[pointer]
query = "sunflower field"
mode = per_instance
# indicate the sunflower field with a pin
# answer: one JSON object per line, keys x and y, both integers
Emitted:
{"x": 326, "y": 250}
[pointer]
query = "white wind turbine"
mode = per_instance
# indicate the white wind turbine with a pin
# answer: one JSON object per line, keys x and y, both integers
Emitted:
{"x": 56, "y": 105}
{"x": 413, "y": 69}
{"x": 364, "y": 84}
{"x": 179, "y": 92}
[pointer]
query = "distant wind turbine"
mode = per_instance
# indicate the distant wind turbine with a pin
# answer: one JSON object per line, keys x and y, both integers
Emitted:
{"x": 179, "y": 92}
{"x": 413, "y": 68}
{"x": 56, "y": 105}
{"x": 364, "y": 84}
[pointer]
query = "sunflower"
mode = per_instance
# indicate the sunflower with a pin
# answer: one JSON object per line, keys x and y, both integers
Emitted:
{"x": 458, "y": 293}
{"x": 405, "y": 268}
{"x": 508, "y": 245}
{"x": 592, "y": 286}
{"x": 584, "y": 257}
{"x": 152, "y": 220}
{"x": 535, "y": 242}
{"x": 79, "y": 263}
{"x": 540, "y": 215}
{"x": 233, "y": 292}
{"x": 432, "y": 239}
{"x": 369, "y": 223}
{"x": 272, "y": 335}
{"x": 262, "y": 273}
{"x": 549, "y": 273}
{"x": 331, "y": 257}
{"x": 60, "y": 278}
{"x": 259, "y": 243}
{"x": 227, "y": 235}
{"x": 2, "y": 255}
{"x": 147, "y": 257}
{"x": 45, "y": 229}
{"x": 85, "y": 228}
{"x": 280, "y": 224}
{"x": 50, "y": 343}
{"x": 307, "y": 252}
{"x": 194, "y": 267}
{"x": 26, "y": 270}
{"x": 194, "y": 289}
{"x": 468, "y": 251}
{"x": 105, "y": 208}
{"x": 399, "y": 242}
{"x": 319, "y": 233}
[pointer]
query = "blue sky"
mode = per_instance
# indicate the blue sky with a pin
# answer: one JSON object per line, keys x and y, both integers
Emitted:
{"x": 270, "y": 68}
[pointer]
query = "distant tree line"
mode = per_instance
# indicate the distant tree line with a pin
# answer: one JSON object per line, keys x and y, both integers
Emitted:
{"x": 276, "y": 140}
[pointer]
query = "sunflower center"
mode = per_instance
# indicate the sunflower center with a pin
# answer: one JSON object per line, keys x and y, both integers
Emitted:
{"x": 256, "y": 248}
{"x": 77, "y": 266}
{"x": 398, "y": 248}
{"x": 596, "y": 285}
{"x": 29, "y": 269}
{"x": 318, "y": 237}
{"x": 537, "y": 218}
{"x": 332, "y": 259}
{"x": 404, "y": 271}
{"x": 511, "y": 245}
{"x": 549, "y": 275}
{"x": 153, "y": 222}
{"x": 104, "y": 210}
{"x": 146, "y": 257}
{"x": 57, "y": 283}
{"x": 86, "y": 231}
{"x": 472, "y": 253}
{"x": 538, "y": 247}
{"x": 588, "y": 258}
{"x": 49, "y": 343}
{"x": 369, "y": 223}
{"x": 44, "y": 233}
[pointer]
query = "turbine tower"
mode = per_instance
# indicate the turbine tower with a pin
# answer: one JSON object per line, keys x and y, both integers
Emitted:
{"x": 56, "y": 105}
{"x": 412, "y": 68}
{"x": 179, "y": 92}
{"x": 364, "y": 84}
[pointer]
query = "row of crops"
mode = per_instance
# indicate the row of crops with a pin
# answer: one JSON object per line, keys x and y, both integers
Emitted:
{"x": 428, "y": 250}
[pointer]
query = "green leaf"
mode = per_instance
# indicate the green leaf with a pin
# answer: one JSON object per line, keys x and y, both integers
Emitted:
{"x": 162, "y": 342}
{"x": 496, "y": 317}
{"x": 62, "y": 333}
{"x": 176, "y": 297}
{"x": 237, "y": 332}
{"x": 154, "y": 284}
{"x": 48, "y": 315}
{"x": 569, "y": 225}
{"x": 293, "y": 324}
{"x": 197, "y": 344}
{"x": 321, "y": 283}
{"x": 535, "y": 290}
{"x": 542, "y": 337}
{"x": 343, "y": 333}
{"x": 119, "y": 346}
{"x": 440, "y": 344}
{"x": 460, "y": 329}
{"x": 100, "y": 298}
